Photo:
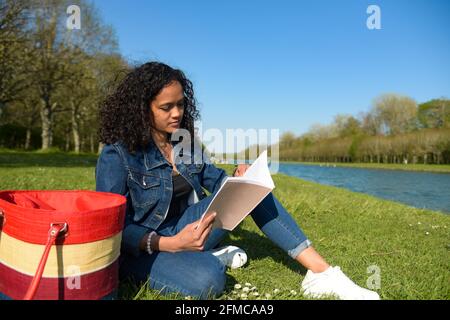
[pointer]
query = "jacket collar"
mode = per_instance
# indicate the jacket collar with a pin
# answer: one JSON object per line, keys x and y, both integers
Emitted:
{"x": 153, "y": 157}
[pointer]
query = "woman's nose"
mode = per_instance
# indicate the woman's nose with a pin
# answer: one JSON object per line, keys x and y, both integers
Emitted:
{"x": 176, "y": 113}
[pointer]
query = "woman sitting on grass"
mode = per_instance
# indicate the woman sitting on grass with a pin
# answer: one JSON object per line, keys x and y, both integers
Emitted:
{"x": 163, "y": 241}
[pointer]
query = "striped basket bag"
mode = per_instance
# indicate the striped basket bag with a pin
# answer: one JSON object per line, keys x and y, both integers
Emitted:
{"x": 60, "y": 244}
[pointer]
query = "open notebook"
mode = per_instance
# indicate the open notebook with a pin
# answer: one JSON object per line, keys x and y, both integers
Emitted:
{"x": 238, "y": 196}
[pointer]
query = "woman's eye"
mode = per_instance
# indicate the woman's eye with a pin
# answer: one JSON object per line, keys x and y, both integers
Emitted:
{"x": 165, "y": 107}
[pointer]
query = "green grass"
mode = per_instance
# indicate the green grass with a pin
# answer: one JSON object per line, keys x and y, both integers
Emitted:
{"x": 440, "y": 168}
{"x": 410, "y": 246}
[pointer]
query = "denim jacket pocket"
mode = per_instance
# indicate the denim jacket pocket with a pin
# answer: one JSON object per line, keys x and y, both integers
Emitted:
{"x": 144, "y": 189}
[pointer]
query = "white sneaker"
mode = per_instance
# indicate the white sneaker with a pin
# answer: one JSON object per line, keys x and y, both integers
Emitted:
{"x": 334, "y": 282}
{"x": 231, "y": 256}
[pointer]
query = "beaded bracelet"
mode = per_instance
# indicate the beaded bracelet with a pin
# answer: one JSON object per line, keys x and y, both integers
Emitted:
{"x": 149, "y": 242}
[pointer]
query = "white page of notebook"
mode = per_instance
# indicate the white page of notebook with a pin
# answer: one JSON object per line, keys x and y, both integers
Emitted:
{"x": 257, "y": 174}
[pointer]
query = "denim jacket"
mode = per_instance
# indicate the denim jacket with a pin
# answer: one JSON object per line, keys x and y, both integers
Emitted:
{"x": 145, "y": 178}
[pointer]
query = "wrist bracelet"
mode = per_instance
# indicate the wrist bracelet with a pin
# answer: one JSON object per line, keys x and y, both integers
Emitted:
{"x": 149, "y": 242}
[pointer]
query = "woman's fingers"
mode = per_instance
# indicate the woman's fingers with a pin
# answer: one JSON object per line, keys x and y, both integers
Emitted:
{"x": 202, "y": 230}
{"x": 199, "y": 227}
{"x": 204, "y": 237}
{"x": 240, "y": 170}
{"x": 208, "y": 219}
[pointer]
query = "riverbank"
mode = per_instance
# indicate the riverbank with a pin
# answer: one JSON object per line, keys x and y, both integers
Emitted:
{"x": 438, "y": 168}
{"x": 408, "y": 246}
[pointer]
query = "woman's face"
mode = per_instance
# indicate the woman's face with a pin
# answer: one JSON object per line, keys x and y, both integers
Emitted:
{"x": 168, "y": 108}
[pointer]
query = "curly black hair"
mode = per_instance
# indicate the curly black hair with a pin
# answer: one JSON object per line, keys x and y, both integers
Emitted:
{"x": 125, "y": 114}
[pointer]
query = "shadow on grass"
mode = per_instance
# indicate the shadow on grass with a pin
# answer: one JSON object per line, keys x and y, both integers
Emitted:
{"x": 260, "y": 247}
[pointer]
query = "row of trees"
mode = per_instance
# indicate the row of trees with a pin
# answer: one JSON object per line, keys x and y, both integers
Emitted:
{"x": 52, "y": 77}
{"x": 425, "y": 146}
{"x": 390, "y": 114}
{"x": 395, "y": 130}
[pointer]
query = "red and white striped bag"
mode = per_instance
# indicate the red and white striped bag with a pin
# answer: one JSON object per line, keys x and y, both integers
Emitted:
{"x": 60, "y": 244}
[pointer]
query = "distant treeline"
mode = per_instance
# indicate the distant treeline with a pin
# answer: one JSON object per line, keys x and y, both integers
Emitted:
{"x": 395, "y": 130}
{"x": 426, "y": 146}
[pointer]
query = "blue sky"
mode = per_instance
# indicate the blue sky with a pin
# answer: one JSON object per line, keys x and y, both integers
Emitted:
{"x": 289, "y": 64}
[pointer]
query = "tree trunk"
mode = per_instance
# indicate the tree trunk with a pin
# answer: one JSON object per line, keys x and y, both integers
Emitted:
{"x": 28, "y": 139}
{"x": 67, "y": 140}
{"x": 50, "y": 136}
{"x": 91, "y": 139}
{"x": 46, "y": 118}
{"x": 75, "y": 131}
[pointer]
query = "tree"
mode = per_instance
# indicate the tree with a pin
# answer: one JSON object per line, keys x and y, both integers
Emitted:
{"x": 320, "y": 132}
{"x": 346, "y": 125}
{"x": 435, "y": 113}
{"x": 92, "y": 77}
{"x": 396, "y": 114}
{"x": 370, "y": 123}
{"x": 14, "y": 50}
{"x": 287, "y": 140}
{"x": 24, "y": 111}
{"x": 57, "y": 50}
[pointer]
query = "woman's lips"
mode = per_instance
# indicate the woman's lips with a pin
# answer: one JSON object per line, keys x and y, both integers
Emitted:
{"x": 174, "y": 124}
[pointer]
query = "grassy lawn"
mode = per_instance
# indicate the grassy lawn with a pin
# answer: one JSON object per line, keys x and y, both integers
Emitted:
{"x": 442, "y": 168}
{"x": 411, "y": 247}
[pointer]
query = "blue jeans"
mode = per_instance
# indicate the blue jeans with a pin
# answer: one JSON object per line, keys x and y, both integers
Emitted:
{"x": 199, "y": 273}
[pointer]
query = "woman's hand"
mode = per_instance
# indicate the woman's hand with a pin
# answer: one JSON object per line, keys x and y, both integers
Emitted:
{"x": 240, "y": 170}
{"x": 194, "y": 235}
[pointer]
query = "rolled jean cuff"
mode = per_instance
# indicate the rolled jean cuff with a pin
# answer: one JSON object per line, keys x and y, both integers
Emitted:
{"x": 293, "y": 253}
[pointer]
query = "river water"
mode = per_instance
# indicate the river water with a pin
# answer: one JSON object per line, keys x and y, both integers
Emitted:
{"x": 417, "y": 189}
